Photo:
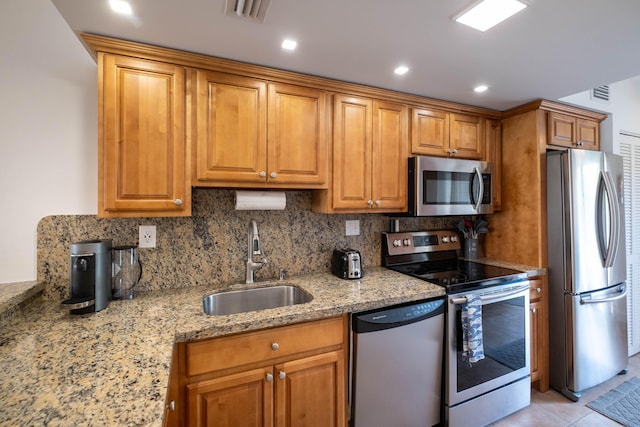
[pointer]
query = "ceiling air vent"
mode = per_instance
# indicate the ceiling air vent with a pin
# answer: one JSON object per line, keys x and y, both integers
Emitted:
{"x": 601, "y": 93}
{"x": 255, "y": 10}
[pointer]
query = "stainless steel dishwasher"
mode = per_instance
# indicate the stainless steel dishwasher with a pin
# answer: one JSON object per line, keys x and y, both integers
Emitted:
{"x": 396, "y": 365}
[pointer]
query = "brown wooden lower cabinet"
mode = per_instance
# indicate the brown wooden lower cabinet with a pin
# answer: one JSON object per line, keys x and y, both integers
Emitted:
{"x": 539, "y": 351}
{"x": 300, "y": 383}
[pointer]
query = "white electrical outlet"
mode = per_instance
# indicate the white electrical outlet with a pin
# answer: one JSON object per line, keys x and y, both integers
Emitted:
{"x": 352, "y": 227}
{"x": 147, "y": 236}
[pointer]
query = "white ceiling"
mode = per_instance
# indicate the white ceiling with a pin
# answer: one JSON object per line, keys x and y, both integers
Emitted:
{"x": 552, "y": 49}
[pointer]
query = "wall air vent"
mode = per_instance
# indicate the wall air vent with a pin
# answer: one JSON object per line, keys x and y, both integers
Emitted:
{"x": 601, "y": 93}
{"x": 254, "y": 10}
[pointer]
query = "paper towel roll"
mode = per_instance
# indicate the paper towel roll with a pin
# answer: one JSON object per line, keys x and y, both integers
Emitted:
{"x": 260, "y": 200}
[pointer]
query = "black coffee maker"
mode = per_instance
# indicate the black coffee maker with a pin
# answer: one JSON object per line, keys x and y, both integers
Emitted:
{"x": 90, "y": 276}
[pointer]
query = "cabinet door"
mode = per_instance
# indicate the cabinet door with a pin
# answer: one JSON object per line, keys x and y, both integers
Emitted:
{"x": 242, "y": 399}
{"x": 231, "y": 130}
{"x": 297, "y": 143}
{"x": 493, "y": 142}
{"x": 588, "y": 134}
{"x": 429, "y": 132}
{"x": 389, "y": 161}
{"x": 352, "y": 145}
{"x": 142, "y": 148}
{"x": 561, "y": 130}
{"x": 466, "y": 137}
{"x": 310, "y": 392}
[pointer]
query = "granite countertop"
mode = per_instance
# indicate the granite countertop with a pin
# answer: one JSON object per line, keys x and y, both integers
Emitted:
{"x": 112, "y": 367}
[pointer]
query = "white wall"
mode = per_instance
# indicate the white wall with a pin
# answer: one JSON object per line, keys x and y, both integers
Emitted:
{"x": 624, "y": 106}
{"x": 48, "y": 129}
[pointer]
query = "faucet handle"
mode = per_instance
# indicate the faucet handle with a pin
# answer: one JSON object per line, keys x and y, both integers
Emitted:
{"x": 282, "y": 274}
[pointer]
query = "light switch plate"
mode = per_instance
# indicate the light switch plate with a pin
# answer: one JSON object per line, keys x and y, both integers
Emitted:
{"x": 147, "y": 236}
{"x": 352, "y": 227}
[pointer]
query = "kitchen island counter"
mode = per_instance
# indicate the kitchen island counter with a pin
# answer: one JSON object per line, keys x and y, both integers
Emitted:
{"x": 112, "y": 367}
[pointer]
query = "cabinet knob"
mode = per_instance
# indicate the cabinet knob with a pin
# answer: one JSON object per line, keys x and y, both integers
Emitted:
{"x": 275, "y": 346}
{"x": 370, "y": 202}
{"x": 533, "y": 309}
{"x": 378, "y": 202}
{"x": 177, "y": 202}
{"x": 538, "y": 290}
{"x": 282, "y": 375}
{"x": 273, "y": 175}
{"x": 269, "y": 377}
{"x": 262, "y": 174}
{"x": 172, "y": 406}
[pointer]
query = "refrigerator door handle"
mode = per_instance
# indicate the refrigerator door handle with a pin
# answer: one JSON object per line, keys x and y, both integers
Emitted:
{"x": 587, "y": 299}
{"x": 614, "y": 226}
{"x": 480, "y": 188}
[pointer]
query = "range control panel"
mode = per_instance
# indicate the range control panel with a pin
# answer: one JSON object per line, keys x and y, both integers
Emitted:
{"x": 413, "y": 242}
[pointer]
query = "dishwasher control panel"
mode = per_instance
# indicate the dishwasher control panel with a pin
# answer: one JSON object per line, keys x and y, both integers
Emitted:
{"x": 393, "y": 316}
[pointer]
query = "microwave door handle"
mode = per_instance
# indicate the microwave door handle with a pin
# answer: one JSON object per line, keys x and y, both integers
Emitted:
{"x": 480, "y": 188}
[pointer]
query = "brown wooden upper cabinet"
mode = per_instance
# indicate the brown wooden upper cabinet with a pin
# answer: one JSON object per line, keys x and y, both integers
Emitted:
{"x": 438, "y": 133}
{"x": 569, "y": 131}
{"x": 250, "y": 133}
{"x": 142, "y": 168}
{"x": 369, "y": 157}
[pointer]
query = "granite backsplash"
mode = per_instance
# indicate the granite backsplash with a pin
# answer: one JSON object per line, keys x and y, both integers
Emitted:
{"x": 210, "y": 246}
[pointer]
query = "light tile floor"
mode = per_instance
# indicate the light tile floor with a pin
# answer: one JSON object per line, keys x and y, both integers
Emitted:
{"x": 554, "y": 410}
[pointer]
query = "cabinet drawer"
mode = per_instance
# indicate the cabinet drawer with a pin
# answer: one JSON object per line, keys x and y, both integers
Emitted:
{"x": 238, "y": 350}
{"x": 535, "y": 289}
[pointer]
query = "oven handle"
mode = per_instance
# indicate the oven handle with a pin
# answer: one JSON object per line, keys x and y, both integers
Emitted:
{"x": 490, "y": 297}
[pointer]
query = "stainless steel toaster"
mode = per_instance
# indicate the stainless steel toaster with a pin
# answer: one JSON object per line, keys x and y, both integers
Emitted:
{"x": 346, "y": 264}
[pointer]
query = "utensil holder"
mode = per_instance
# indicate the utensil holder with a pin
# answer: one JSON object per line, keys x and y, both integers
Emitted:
{"x": 472, "y": 249}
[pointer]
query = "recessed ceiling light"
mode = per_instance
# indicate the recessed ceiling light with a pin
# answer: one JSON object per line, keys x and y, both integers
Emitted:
{"x": 401, "y": 70}
{"x": 487, "y": 13}
{"x": 480, "y": 88}
{"x": 289, "y": 44}
{"x": 120, "y": 6}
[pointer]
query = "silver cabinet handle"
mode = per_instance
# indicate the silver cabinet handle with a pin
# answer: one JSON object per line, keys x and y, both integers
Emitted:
{"x": 533, "y": 309}
{"x": 275, "y": 346}
{"x": 177, "y": 202}
{"x": 378, "y": 202}
{"x": 370, "y": 202}
{"x": 269, "y": 377}
{"x": 282, "y": 375}
{"x": 538, "y": 290}
{"x": 262, "y": 174}
{"x": 172, "y": 406}
{"x": 273, "y": 175}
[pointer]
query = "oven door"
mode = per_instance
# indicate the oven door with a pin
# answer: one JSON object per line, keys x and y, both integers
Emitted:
{"x": 505, "y": 336}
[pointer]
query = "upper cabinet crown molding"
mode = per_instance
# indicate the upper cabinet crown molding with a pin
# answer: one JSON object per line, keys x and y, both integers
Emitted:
{"x": 96, "y": 43}
{"x": 555, "y": 107}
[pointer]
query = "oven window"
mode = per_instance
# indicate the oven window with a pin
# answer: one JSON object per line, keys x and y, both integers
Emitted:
{"x": 503, "y": 334}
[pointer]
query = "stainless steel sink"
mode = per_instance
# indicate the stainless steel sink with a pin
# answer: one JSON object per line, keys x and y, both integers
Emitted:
{"x": 244, "y": 300}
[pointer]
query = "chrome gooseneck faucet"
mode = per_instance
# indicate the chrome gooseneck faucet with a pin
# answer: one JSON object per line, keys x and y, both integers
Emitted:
{"x": 253, "y": 248}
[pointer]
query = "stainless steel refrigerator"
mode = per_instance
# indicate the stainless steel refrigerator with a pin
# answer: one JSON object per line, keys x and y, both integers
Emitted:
{"x": 587, "y": 269}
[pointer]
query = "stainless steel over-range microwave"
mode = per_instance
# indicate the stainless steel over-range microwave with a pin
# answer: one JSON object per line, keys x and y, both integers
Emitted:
{"x": 445, "y": 186}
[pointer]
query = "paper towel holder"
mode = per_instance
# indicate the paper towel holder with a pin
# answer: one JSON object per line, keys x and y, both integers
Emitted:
{"x": 259, "y": 200}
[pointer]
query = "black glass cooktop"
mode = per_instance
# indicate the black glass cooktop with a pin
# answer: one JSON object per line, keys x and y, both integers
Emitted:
{"x": 458, "y": 275}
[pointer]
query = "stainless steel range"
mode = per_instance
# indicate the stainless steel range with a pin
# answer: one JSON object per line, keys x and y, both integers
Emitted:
{"x": 487, "y": 325}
